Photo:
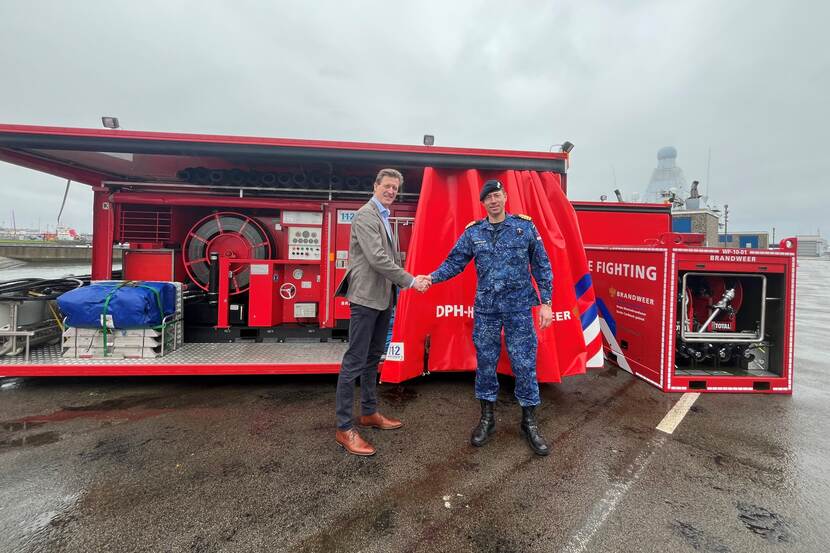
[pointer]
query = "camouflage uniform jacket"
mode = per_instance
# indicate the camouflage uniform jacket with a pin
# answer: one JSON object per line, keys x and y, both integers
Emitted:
{"x": 505, "y": 258}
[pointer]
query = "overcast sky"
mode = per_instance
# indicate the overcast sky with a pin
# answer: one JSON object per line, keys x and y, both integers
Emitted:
{"x": 748, "y": 80}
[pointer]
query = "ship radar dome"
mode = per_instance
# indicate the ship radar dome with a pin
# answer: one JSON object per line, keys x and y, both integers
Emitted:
{"x": 667, "y": 152}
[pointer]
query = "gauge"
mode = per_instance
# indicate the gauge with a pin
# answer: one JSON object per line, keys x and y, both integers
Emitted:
{"x": 297, "y": 274}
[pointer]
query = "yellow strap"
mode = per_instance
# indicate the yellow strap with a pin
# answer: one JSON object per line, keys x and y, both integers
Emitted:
{"x": 56, "y": 316}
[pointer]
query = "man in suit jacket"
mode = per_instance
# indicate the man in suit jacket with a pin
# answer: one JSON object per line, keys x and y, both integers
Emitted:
{"x": 369, "y": 285}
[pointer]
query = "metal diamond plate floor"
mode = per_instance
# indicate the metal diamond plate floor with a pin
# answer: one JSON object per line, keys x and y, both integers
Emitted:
{"x": 310, "y": 353}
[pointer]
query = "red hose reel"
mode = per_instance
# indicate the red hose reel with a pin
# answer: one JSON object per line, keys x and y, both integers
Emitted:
{"x": 228, "y": 234}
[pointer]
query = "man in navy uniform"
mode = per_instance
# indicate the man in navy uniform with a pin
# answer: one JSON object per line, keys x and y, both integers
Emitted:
{"x": 507, "y": 249}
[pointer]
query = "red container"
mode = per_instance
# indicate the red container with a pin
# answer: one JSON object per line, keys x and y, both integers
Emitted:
{"x": 655, "y": 300}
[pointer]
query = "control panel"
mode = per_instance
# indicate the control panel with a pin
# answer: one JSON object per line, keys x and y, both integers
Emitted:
{"x": 304, "y": 242}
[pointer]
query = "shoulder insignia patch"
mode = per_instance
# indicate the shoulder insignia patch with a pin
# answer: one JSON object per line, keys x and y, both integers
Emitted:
{"x": 472, "y": 223}
{"x": 523, "y": 216}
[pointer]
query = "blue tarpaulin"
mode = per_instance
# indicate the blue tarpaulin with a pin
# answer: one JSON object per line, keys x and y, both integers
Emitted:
{"x": 118, "y": 304}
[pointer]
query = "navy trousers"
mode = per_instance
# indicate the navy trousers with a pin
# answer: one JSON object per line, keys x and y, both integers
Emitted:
{"x": 520, "y": 338}
{"x": 367, "y": 339}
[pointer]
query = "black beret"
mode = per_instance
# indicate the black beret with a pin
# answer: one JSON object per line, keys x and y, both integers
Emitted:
{"x": 490, "y": 186}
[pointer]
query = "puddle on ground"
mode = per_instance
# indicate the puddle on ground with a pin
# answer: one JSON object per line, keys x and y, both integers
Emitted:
{"x": 19, "y": 426}
{"x": 67, "y": 415}
{"x": 764, "y": 523}
{"x": 698, "y": 539}
{"x": 30, "y": 441}
{"x": 123, "y": 408}
{"x": 8, "y": 384}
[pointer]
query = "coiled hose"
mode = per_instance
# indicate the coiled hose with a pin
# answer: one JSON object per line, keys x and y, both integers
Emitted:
{"x": 39, "y": 289}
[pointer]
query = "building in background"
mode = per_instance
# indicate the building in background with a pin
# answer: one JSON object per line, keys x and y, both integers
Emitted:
{"x": 743, "y": 240}
{"x": 60, "y": 234}
{"x": 703, "y": 221}
{"x": 812, "y": 245}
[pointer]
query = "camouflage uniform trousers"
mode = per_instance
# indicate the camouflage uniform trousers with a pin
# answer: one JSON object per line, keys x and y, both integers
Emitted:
{"x": 520, "y": 338}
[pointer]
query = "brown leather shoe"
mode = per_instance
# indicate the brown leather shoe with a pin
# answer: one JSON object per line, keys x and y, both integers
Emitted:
{"x": 376, "y": 420}
{"x": 351, "y": 441}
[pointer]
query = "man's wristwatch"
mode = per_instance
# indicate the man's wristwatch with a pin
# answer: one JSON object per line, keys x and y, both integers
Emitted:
{"x": 549, "y": 303}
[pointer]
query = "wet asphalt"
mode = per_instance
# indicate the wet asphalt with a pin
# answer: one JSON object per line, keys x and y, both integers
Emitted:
{"x": 250, "y": 464}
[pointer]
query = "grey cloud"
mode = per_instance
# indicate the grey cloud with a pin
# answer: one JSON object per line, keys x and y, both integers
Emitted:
{"x": 619, "y": 79}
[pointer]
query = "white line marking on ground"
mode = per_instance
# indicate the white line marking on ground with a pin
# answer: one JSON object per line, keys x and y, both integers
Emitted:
{"x": 605, "y": 506}
{"x": 676, "y": 414}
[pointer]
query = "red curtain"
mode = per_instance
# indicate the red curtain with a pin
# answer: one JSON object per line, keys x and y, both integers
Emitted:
{"x": 442, "y": 317}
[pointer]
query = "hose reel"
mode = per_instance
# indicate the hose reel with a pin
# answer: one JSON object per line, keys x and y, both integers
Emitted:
{"x": 229, "y": 235}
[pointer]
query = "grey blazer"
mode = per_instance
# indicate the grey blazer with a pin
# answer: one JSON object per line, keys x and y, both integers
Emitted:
{"x": 374, "y": 263}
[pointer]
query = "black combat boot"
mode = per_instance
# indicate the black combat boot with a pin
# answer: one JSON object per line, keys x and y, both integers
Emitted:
{"x": 530, "y": 428}
{"x": 485, "y": 426}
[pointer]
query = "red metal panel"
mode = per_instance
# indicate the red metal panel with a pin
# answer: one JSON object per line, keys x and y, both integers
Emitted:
{"x": 76, "y": 174}
{"x": 621, "y": 224}
{"x": 123, "y": 134}
{"x": 265, "y": 302}
{"x": 148, "y": 265}
{"x": 304, "y": 279}
{"x": 156, "y": 157}
{"x": 631, "y": 289}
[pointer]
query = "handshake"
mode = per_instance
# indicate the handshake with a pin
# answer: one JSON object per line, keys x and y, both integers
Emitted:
{"x": 422, "y": 282}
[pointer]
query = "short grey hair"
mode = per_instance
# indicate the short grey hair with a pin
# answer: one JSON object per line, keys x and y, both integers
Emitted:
{"x": 394, "y": 173}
